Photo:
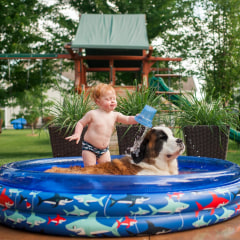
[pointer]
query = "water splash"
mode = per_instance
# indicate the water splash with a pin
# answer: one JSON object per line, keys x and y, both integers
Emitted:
{"x": 137, "y": 142}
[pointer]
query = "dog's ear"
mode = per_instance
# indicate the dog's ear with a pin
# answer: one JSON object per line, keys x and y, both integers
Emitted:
{"x": 138, "y": 157}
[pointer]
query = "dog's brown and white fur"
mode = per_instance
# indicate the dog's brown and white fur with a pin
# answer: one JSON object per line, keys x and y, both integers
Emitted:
{"x": 155, "y": 155}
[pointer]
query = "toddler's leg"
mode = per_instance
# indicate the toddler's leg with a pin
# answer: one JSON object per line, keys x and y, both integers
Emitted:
{"x": 89, "y": 158}
{"x": 106, "y": 157}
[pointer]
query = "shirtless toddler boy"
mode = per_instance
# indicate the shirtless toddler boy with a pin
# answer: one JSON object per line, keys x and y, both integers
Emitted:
{"x": 101, "y": 123}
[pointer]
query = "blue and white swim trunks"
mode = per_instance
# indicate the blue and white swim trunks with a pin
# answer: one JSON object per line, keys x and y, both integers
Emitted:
{"x": 89, "y": 147}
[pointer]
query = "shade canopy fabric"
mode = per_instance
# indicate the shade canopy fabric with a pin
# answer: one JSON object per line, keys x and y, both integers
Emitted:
{"x": 111, "y": 31}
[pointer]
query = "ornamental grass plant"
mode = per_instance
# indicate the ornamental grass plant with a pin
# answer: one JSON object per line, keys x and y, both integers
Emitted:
{"x": 205, "y": 124}
{"x": 66, "y": 113}
{"x": 70, "y": 109}
{"x": 205, "y": 111}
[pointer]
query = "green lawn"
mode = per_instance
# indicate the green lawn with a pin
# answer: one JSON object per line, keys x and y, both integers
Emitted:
{"x": 17, "y": 145}
{"x": 233, "y": 154}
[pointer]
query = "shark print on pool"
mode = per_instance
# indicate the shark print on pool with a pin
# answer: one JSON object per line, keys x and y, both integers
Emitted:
{"x": 117, "y": 213}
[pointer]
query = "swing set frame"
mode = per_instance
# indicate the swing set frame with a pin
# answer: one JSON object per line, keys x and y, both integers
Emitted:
{"x": 81, "y": 69}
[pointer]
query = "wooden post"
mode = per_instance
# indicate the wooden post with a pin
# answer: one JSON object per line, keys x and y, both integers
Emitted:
{"x": 77, "y": 74}
{"x": 112, "y": 72}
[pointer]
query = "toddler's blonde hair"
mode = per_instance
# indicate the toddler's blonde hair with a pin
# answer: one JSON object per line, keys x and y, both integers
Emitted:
{"x": 100, "y": 89}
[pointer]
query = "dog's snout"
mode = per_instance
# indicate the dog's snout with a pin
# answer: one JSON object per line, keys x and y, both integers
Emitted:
{"x": 180, "y": 144}
{"x": 179, "y": 140}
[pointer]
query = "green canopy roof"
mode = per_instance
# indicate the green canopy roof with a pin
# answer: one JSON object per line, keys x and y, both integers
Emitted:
{"x": 111, "y": 31}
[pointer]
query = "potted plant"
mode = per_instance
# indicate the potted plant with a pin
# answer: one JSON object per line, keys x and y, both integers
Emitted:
{"x": 66, "y": 113}
{"x": 131, "y": 104}
{"x": 205, "y": 124}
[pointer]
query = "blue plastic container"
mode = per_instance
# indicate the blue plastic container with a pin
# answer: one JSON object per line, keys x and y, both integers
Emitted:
{"x": 146, "y": 116}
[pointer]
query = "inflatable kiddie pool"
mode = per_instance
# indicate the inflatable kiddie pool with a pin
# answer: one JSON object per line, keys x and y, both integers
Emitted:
{"x": 206, "y": 192}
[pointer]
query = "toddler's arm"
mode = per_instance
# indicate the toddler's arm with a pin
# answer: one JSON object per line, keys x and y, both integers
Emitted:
{"x": 126, "y": 119}
{"x": 79, "y": 127}
{"x": 77, "y": 133}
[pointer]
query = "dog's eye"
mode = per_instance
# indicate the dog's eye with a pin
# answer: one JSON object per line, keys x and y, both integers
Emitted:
{"x": 168, "y": 156}
{"x": 163, "y": 137}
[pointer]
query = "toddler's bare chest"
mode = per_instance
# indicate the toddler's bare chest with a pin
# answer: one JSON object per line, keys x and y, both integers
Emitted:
{"x": 104, "y": 122}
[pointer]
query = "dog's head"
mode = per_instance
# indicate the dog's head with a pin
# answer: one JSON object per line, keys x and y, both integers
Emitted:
{"x": 158, "y": 141}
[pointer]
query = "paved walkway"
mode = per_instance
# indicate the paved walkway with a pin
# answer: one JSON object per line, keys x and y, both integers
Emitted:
{"x": 229, "y": 230}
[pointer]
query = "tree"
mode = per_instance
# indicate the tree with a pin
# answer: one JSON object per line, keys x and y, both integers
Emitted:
{"x": 30, "y": 26}
{"x": 217, "y": 37}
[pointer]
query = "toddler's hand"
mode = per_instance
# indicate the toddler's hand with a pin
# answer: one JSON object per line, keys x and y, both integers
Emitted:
{"x": 73, "y": 137}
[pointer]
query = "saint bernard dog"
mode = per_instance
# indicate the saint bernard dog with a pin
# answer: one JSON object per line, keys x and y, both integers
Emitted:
{"x": 154, "y": 154}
